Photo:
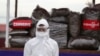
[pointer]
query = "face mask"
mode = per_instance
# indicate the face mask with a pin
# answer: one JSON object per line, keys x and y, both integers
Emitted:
{"x": 41, "y": 34}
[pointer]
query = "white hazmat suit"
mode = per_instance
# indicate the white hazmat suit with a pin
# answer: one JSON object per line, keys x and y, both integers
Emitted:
{"x": 42, "y": 44}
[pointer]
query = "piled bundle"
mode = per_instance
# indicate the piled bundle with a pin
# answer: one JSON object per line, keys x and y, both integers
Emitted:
{"x": 58, "y": 25}
{"x": 58, "y": 32}
{"x": 39, "y": 13}
{"x": 83, "y": 43}
{"x": 90, "y": 23}
{"x": 60, "y": 15}
{"x": 60, "y": 12}
{"x": 89, "y": 36}
{"x": 73, "y": 27}
{"x": 20, "y": 32}
{"x": 74, "y": 24}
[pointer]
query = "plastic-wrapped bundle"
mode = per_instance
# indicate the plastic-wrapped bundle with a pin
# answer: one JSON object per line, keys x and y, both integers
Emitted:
{"x": 19, "y": 41}
{"x": 58, "y": 32}
{"x": 74, "y": 24}
{"x": 18, "y": 32}
{"x": 97, "y": 6}
{"x": 39, "y": 13}
{"x": 90, "y": 22}
{"x": 61, "y": 19}
{"x": 22, "y": 23}
{"x": 60, "y": 12}
{"x": 60, "y": 15}
{"x": 83, "y": 43}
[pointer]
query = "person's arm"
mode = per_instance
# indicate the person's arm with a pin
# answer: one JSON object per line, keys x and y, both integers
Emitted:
{"x": 27, "y": 50}
{"x": 56, "y": 50}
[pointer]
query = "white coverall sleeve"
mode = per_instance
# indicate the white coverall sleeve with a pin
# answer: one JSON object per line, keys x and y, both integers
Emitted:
{"x": 27, "y": 50}
{"x": 56, "y": 50}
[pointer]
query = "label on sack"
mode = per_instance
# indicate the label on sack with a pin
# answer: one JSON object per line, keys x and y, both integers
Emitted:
{"x": 22, "y": 23}
{"x": 91, "y": 24}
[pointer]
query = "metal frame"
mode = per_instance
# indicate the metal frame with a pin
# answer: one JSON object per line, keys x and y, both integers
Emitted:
{"x": 7, "y": 24}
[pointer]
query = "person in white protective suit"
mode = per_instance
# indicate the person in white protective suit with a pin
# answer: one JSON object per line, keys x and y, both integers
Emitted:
{"x": 42, "y": 44}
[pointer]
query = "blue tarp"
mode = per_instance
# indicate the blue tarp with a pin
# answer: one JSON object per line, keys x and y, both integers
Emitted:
{"x": 20, "y": 53}
{"x": 10, "y": 53}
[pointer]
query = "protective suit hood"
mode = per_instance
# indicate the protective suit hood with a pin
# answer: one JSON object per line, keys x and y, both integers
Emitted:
{"x": 42, "y": 35}
{"x": 44, "y": 22}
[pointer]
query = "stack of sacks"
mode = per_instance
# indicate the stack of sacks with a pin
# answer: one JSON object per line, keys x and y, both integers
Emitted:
{"x": 88, "y": 37}
{"x": 97, "y": 6}
{"x": 91, "y": 25}
{"x": 58, "y": 26}
{"x": 22, "y": 31}
{"x": 73, "y": 27}
{"x": 74, "y": 24}
{"x": 90, "y": 22}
